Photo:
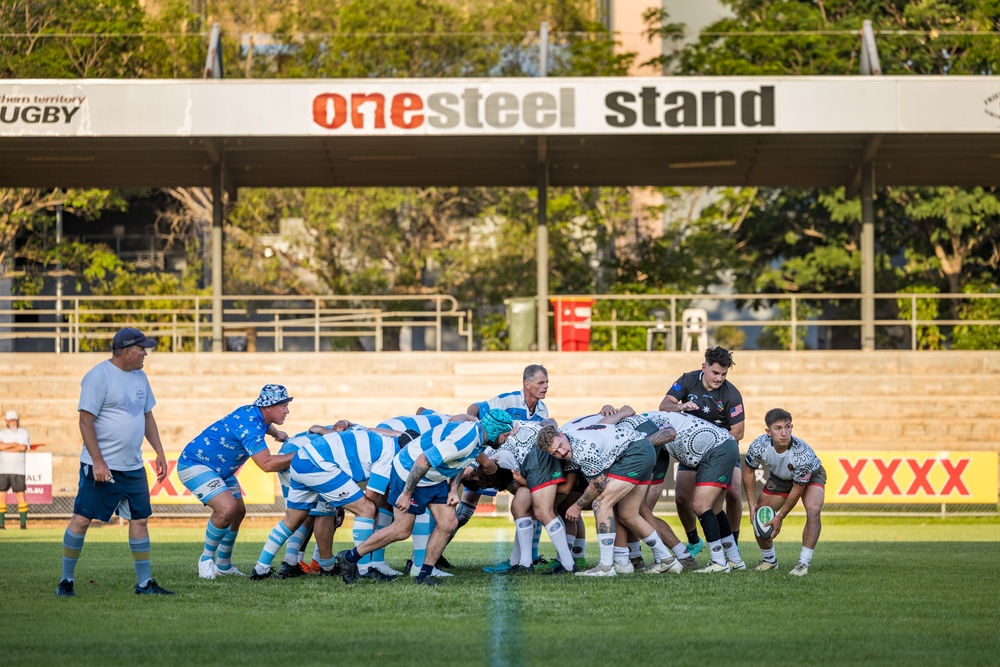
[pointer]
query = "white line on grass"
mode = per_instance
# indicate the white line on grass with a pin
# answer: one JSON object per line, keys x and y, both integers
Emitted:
{"x": 505, "y": 626}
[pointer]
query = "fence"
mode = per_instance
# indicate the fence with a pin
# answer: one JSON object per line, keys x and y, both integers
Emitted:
{"x": 791, "y": 316}
{"x": 315, "y": 323}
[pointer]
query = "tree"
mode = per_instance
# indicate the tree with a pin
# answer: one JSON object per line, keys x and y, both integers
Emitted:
{"x": 934, "y": 237}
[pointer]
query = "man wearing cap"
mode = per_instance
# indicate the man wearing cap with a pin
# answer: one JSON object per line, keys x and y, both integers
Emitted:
{"x": 116, "y": 413}
{"x": 209, "y": 463}
{"x": 425, "y": 475}
{"x": 14, "y": 442}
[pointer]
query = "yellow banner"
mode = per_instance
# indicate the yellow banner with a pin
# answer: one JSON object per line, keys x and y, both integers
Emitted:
{"x": 890, "y": 477}
{"x": 257, "y": 486}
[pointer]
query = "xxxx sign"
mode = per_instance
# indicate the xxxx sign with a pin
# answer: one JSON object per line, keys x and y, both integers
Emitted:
{"x": 910, "y": 477}
{"x": 256, "y": 485}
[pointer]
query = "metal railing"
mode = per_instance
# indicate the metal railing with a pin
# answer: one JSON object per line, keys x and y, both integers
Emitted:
{"x": 315, "y": 323}
{"x": 670, "y": 306}
{"x": 84, "y": 323}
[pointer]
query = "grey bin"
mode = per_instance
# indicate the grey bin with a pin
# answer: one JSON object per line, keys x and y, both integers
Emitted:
{"x": 521, "y": 315}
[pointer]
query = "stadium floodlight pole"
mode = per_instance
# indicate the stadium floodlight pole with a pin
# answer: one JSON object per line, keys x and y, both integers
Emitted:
{"x": 870, "y": 66}
{"x": 542, "y": 228}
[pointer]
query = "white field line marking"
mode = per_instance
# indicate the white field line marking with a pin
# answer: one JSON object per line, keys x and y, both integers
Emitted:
{"x": 505, "y": 626}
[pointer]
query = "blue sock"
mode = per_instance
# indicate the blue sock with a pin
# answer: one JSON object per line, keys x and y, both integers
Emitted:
{"x": 425, "y": 571}
{"x": 353, "y": 556}
{"x": 213, "y": 536}
{"x": 140, "y": 559}
{"x": 327, "y": 563}
{"x": 277, "y": 537}
{"x": 72, "y": 546}
{"x": 224, "y": 557}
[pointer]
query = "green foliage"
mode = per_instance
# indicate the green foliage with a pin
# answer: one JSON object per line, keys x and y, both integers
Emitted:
{"x": 929, "y": 336}
{"x": 980, "y": 337}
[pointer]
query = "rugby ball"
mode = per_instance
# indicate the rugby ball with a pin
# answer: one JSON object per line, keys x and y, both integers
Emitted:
{"x": 760, "y": 518}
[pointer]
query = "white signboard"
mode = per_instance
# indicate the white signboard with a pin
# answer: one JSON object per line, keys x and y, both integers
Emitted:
{"x": 470, "y": 107}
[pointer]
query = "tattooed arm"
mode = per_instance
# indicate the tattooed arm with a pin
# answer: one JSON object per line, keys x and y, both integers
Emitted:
{"x": 420, "y": 468}
{"x": 663, "y": 436}
{"x": 594, "y": 489}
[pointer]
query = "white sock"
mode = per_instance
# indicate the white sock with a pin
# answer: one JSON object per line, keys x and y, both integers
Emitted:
{"x": 525, "y": 534}
{"x": 634, "y": 549}
{"x": 769, "y": 555}
{"x": 660, "y": 550}
{"x": 606, "y": 544}
{"x": 715, "y": 550}
{"x": 681, "y": 551}
{"x": 557, "y": 533}
{"x": 580, "y": 547}
{"x": 731, "y": 550}
{"x": 806, "y": 556}
{"x": 621, "y": 555}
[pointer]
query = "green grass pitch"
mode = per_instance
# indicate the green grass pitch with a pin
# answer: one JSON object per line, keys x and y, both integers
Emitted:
{"x": 880, "y": 592}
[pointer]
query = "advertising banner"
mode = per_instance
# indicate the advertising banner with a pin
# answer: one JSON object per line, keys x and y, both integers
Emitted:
{"x": 37, "y": 480}
{"x": 892, "y": 477}
{"x": 495, "y": 107}
{"x": 256, "y": 485}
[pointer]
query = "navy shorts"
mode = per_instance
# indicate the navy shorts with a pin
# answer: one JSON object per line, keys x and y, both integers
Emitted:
{"x": 129, "y": 495}
{"x": 422, "y": 495}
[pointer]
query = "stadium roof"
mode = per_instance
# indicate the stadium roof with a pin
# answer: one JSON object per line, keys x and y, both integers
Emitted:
{"x": 669, "y": 131}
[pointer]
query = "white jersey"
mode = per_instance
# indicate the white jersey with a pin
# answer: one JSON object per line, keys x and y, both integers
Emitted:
{"x": 596, "y": 447}
{"x": 795, "y": 464}
{"x": 12, "y": 463}
{"x": 517, "y": 446}
{"x": 695, "y": 436}
{"x": 513, "y": 404}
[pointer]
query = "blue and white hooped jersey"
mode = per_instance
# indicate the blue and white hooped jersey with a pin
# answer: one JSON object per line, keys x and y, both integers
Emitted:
{"x": 292, "y": 446}
{"x": 448, "y": 448}
{"x": 513, "y": 404}
{"x": 420, "y": 423}
{"x": 364, "y": 455}
{"x": 228, "y": 443}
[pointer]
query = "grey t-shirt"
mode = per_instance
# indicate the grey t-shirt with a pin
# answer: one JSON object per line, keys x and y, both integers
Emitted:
{"x": 119, "y": 400}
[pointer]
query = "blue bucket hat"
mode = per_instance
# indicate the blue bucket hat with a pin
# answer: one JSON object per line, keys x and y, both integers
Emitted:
{"x": 272, "y": 394}
{"x": 496, "y": 422}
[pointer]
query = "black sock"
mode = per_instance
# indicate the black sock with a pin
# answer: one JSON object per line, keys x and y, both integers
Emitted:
{"x": 693, "y": 536}
{"x": 736, "y": 537}
{"x": 710, "y": 526}
{"x": 725, "y": 528}
{"x": 425, "y": 571}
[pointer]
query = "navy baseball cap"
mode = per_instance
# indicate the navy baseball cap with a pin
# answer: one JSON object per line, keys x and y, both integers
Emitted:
{"x": 130, "y": 336}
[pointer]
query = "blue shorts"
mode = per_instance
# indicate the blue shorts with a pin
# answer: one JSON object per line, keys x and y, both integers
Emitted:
{"x": 323, "y": 508}
{"x": 129, "y": 495}
{"x": 206, "y": 483}
{"x": 422, "y": 495}
{"x": 310, "y": 484}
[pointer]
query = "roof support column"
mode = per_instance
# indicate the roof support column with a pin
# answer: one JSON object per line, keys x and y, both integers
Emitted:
{"x": 542, "y": 228}
{"x": 868, "y": 256}
{"x": 218, "y": 219}
{"x": 542, "y": 246}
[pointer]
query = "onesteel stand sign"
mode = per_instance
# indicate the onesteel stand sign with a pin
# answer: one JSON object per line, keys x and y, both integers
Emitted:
{"x": 470, "y": 107}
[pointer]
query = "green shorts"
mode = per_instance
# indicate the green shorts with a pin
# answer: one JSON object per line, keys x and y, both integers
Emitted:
{"x": 776, "y": 486}
{"x": 716, "y": 468}
{"x": 636, "y": 463}
{"x": 661, "y": 467}
{"x": 541, "y": 469}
